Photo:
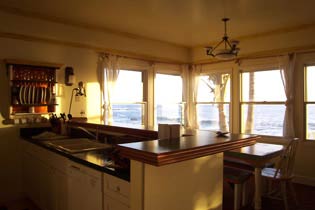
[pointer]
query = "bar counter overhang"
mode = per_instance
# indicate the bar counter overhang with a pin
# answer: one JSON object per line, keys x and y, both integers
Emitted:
{"x": 193, "y": 145}
{"x": 182, "y": 173}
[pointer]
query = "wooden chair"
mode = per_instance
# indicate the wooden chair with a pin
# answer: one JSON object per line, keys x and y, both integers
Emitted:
{"x": 282, "y": 175}
{"x": 239, "y": 178}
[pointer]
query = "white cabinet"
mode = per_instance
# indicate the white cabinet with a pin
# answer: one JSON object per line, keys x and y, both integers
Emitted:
{"x": 116, "y": 193}
{"x": 30, "y": 177}
{"x": 46, "y": 187}
{"x": 54, "y": 182}
{"x": 85, "y": 188}
{"x": 112, "y": 204}
{"x": 61, "y": 189}
{"x": 44, "y": 176}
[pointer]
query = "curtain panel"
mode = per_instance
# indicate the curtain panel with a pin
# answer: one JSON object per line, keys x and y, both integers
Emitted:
{"x": 108, "y": 71}
{"x": 287, "y": 75}
{"x": 191, "y": 119}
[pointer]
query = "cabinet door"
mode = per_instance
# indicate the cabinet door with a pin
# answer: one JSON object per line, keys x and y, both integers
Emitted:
{"x": 61, "y": 190}
{"x": 84, "y": 189}
{"x": 30, "y": 177}
{"x": 47, "y": 193}
{"x": 112, "y": 204}
{"x": 43, "y": 183}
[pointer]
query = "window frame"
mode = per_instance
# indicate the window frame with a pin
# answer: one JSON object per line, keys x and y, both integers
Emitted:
{"x": 305, "y": 102}
{"x": 206, "y": 73}
{"x": 241, "y": 102}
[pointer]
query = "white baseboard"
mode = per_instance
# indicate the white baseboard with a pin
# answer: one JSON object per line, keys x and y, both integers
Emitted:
{"x": 304, "y": 180}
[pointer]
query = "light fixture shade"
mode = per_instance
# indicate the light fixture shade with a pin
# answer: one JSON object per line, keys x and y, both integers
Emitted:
{"x": 224, "y": 54}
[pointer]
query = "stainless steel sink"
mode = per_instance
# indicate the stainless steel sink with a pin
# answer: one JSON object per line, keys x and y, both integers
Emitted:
{"x": 77, "y": 145}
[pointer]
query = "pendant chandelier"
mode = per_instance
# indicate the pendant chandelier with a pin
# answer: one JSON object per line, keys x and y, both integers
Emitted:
{"x": 228, "y": 50}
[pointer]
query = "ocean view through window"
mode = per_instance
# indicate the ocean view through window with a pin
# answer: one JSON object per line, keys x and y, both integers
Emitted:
{"x": 213, "y": 102}
{"x": 168, "y": 99}
{"x": 262, "y": 102}
{"x": 309, "y": 102}
{"x": 128, "y": 107}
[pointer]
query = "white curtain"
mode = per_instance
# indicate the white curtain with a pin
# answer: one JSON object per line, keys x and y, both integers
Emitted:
{"x": 108, "y": 71}
{"x": 287, "y": 75}
{"x": 186, "y": 98}
{"x": 191, "y": 112}
{"x": 101, "y": 79}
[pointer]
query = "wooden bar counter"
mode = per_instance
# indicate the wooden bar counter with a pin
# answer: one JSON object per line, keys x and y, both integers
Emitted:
{"x": 183, "y": 173}
{"x": 192, "y": 145}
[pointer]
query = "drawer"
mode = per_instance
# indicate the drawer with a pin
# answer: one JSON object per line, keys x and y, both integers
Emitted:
{"x": 97, "y": 175}
{"x": 117, "y": 188}
{"x": 112, "y": 204}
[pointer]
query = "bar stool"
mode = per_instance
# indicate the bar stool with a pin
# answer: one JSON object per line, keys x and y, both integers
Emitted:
{"x": 282, "y": 174}
{"x": 239, "y": 178}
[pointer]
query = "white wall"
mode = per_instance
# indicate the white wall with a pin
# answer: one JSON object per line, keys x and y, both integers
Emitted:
{"x": 10, "y": 163}
{"x": 44, "y": 31}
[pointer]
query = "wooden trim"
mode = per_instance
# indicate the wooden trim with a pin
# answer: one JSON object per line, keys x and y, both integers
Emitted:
{"x": 263, "y": 102}
{"x": 33, "y": 63}
{"x": 159, "y": 159}
{"x": 89, "y": 47}
{"x": 94, "y": 27}
{"x": 262, "y": 54}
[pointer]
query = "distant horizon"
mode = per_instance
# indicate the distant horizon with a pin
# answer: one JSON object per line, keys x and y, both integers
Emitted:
{"x": 271, "y": 124}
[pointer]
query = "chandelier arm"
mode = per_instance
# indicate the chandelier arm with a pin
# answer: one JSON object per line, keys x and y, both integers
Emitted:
{"x": 217, "y": 45}
{"x": 227, "y": 41}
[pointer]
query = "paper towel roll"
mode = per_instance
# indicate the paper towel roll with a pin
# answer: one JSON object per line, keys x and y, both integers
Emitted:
{"x": 164, "y": 131}
{"x": 175, "y": 130}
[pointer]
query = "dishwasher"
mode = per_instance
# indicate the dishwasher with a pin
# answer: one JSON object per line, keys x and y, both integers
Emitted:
{"x": 84, "y": 187}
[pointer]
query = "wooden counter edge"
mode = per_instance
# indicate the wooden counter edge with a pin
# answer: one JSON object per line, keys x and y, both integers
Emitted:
{"x": 182, "y": 155}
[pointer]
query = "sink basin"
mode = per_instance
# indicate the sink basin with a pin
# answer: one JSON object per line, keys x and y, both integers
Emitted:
{"x": 77, "y": 145}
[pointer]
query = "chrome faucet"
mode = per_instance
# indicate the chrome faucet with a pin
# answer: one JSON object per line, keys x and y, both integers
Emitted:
{"x": 94, "y": 136}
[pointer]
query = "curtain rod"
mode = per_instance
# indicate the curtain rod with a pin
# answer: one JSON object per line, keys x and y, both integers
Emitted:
{"x": 142, "y": 58}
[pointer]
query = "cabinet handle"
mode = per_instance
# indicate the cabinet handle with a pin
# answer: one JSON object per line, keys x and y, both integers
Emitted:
{"x": 75, "y": 167}
{"x": 117, "y": 188}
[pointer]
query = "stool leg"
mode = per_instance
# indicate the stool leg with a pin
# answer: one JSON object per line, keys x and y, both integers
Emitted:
{"x": 293, "y": 194}
{"x": 244, "y": 193}
{"x": 284, "y": 194}
{"x": 237, "y": 196}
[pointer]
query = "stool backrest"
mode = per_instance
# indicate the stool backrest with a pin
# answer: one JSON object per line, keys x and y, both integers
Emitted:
{"x": 286, "y": 163}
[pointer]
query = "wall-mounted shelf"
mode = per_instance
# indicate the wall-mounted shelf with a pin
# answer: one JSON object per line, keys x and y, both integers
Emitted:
{"x": 33, "y": 86}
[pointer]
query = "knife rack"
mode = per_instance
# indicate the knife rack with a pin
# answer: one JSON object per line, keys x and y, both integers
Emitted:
{"x": 33, "y": 87}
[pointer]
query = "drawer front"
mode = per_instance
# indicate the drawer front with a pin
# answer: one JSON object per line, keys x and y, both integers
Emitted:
{"x": 117, "y": 188}
{"x": 112, "y": 204}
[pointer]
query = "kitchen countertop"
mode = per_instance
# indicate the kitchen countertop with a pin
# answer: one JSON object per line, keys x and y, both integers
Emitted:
{"x": 193, "y": 144}
{"x": 96, "y": 159}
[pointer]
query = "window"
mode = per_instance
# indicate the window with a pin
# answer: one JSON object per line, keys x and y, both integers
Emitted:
{"x": 262, "y": 102}
{"x": 213, "y": 102}
{"x": 168, "y": 99}
{"x": 309, "y": 102}
{"x": 127, "y": 99}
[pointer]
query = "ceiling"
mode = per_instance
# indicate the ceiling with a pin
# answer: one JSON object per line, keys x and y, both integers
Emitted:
{"x": 183, "y": 22}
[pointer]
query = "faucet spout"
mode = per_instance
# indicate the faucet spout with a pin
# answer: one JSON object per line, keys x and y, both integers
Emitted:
{"x": 95, "y": 137}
